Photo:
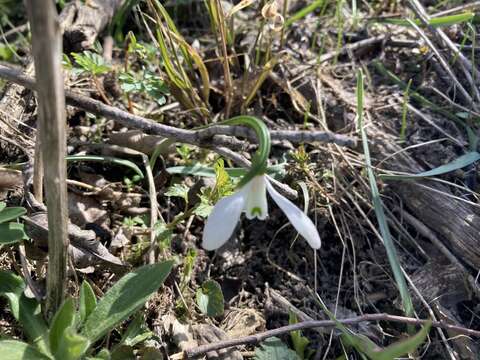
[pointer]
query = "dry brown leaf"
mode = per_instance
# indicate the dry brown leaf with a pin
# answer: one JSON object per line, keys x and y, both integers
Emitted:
{"x": 10, "y": 179}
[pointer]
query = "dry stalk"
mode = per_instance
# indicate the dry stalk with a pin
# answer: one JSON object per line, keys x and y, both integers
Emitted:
{"x": 47, "y": 53}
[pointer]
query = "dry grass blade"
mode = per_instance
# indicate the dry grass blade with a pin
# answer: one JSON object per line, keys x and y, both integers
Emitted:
{"x": 169, "y": 42}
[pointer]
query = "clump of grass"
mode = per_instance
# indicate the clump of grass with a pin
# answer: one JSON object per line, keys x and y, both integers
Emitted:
{"x": 182, "y": 63}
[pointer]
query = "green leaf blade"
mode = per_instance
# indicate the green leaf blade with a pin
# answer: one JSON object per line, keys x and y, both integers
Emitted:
{"x": 124, "y": 298}
{"x": 18, "y": 350}
{"x": 402, "y": 347}
{"x": 35, "y": 327}
{"x": 63, "y": 319}
{"x": 274, "y": 348}
{"x": 11, "y": 213}
{"x": 459, "y": 163}
{"x": 11, "y": 233}
{"x": 87, "y": 301}
{"x": 113, "y": 160}
{"x": 12, "y": 286}
{"x": 378, "y": 206}
{"x": 210, "y": 298}
{"x": 71, "y": 345}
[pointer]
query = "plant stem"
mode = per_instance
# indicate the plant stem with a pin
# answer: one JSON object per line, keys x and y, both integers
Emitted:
{"x": 47, "y": 54}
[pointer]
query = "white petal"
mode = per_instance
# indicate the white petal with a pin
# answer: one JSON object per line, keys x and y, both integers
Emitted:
{"x": 298, "y": 219}
{"x": 256, "y": 203}
{"x": 222, "y": 220}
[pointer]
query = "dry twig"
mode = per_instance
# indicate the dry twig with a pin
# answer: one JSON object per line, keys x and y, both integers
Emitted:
{"x": 205, "y": 137}
{"x": 255, "y": 339}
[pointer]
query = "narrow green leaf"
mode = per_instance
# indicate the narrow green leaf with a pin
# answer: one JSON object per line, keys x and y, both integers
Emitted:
{"x": 378, "y": 207}
{"x": 113, "y": 160}
{"x": 403, "y": 347}
{"x": 440, "y": 21}
{"x": 210, "y": 298}
{"x": 406, "y": 99}
{"x": 207, "y": 171}
{"x": 299, "y": 341}
{"x": 33, "y": 324}
{"x": 26, "y": 311}
{"x": 382, "y": 70}
{"x": 136, "y": 332}
{"x": 12, "y": 286}
{"x": 360, "y": 342}
{"x": 71, "y": 346}
{"x": 11, "y": 213}
{"x": 88, "y": 301}
{"x": 63, "y": 319}
{"x": 304, "y": 12}
{"x": 458, "y": 163}
{"x": 124, "y": 298}
{"x": 11, "y": 233}
{"x": 18, "y": 350}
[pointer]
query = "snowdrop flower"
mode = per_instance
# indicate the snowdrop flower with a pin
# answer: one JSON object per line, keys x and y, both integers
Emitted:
{"x": 251, "y": 198}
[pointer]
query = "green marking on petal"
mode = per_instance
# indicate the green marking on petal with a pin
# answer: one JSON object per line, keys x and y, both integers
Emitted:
{"x": 256, "y": 211}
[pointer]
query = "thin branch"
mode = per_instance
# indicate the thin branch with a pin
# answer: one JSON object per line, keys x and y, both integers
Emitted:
{"x": 349, "y": 48}
{"x": 200, "y": 137}
{"x": 466, "y": 7}
{"x": 15, "y": 31}
{"x": 255, "y": 339}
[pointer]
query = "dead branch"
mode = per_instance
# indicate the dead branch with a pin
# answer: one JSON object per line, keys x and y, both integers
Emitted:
{"x": 201, "y": 137}
{"x": 255, "y": 339}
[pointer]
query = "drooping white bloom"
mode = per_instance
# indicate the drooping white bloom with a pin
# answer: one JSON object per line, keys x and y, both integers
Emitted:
{"x": 252, "y": 199}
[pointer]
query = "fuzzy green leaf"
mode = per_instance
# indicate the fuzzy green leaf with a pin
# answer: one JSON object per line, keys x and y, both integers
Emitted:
{"x": 31, "y": 318}
{"x": 11, "y": 213}
{"x": 87, "y": 301}
{"x": 71, "y": 346}
{"x": 274, "y": 348}
{"x": 10, "y": 233}
{"x": 12, "y": 286}
{"x": 18, "y": 350}
{"x": 124, "y": 298}
{"x": 63, "y": 319}
{"x": 210, "y": 298}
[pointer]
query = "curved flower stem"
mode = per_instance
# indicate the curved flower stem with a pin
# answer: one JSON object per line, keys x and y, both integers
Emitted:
{"x": 260, "y": 159}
